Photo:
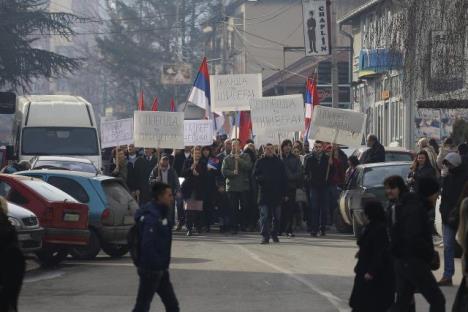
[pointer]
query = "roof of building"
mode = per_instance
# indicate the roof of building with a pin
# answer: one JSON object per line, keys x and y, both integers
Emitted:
{"x": 358, "y": 11}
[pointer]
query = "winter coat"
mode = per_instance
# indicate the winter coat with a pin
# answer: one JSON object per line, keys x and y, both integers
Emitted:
{"x": 193, "y": 186}
{"x": 294, "y": 171}
{"x": 121, "y": 172}
{"x": 375, "y": 154}
{"x": 452, "y": 186}
{"x": 271, "y": 176}
{"x": 411, "y": 233}
{"x": 172, "y": 178}
{"x": 12, "y": 266}
{"x": 211, "y": 177}
{"x": 132, "y": 174}
{"x": 427, "y": 171}
{"x": 374, "y": 258}
{"x": 155, "y": 234}
{"x": 432, "y": 158}
{"x": 315, "y": 171}
{"x": 241, "y": 181}
{"x": 179, "y": 160}
{"x": 143, "y": 169}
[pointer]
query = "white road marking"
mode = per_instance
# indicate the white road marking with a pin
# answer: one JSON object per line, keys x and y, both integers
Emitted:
{"x": 334, "y": 300}
{"x": 43, "y": 277}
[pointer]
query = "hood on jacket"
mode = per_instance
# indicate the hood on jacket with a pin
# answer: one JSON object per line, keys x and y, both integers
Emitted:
{"x": 454, "y": 159}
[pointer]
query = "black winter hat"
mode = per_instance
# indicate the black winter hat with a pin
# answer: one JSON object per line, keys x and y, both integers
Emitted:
{"x": 428, "y": 187}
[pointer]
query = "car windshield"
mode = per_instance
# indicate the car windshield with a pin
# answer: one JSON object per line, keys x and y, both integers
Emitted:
{"x": 68, "y": 165}
{"x": 49, "y": 192}
{"x": 375, "y": 176}
{"x": 59, "y": 141}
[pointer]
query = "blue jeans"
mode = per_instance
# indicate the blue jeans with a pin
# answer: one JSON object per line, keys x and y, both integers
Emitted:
{"x": 319, "y": 207}
{"x": 270, "y": 220}
{"x": 449, "y": 251}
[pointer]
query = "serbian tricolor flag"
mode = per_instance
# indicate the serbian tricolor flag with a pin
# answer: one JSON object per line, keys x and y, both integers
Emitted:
{"x": 311, "y": 100}
{"x": 141, "y": 102}
{"x": 242, "y": 124}
{"x": 200, "y": 94}
{"x": 155, "y": 104}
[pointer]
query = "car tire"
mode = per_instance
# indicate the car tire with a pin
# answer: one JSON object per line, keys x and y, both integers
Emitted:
{"x": 340, "y": 224}
{"x": 90, "y": 251}
{"x": 115, "y": 251}
{"x": 50, "y": 257}
{"x": 357, "y": 228}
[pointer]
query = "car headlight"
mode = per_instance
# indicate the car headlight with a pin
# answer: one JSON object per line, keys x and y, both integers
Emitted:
{"x": 15, "y": 222}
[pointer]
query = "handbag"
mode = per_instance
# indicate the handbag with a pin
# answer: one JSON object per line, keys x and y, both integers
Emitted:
{"x": 435, "y": 264}
{"x": 461, "y": 300}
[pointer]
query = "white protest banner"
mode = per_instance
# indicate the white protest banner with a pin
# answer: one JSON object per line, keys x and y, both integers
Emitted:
{"x": 116, "y": 132}
{"x": 198, "y": 132}
{"x": 159, "y": 129}
{"x": 231, "y": 93}
{"x": 272, "y": 137}
{"x": 277, "y": 114}
{"x": 338, "y": 126}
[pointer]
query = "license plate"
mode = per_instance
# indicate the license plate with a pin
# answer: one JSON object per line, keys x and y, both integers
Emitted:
{"x": 129, "y": 220}
{"x": 23, "y": 237}
{"x": 71, "y": 217}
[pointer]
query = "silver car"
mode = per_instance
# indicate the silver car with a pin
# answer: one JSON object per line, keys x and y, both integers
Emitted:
{"x": 27, "y": 226}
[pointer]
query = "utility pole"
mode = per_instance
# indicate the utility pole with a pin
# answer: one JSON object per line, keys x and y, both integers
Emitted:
{"x": 334, "y": 59}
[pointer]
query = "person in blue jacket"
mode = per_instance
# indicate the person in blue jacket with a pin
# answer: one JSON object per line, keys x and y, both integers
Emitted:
{"x": 155, "y": 239}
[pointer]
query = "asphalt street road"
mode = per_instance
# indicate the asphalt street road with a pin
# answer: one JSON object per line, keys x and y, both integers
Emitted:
{"x": 214, "y": 273}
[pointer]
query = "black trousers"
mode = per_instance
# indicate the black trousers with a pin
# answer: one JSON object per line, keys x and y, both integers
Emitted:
{"x": 239, "y": 202}
{"x": 152, "y": 282}
{"x": 287, "y": 212}
{"x": 415, "y": 275}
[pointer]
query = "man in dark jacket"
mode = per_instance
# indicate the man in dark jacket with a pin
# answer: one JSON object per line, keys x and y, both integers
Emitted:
{"x": 143, "y": 168}
{"x": 315, "y": 173}
{"x": 376, "y": 151}
{"x": 412, "y": 246}
{"x": 155, "y": 236}
{"x": 294, "y": 175}
{"x": 132, "y": 175}
{"x": 452, "y": 187}
{"x": 272, "y": 181}
{"x": 179, "y": 159}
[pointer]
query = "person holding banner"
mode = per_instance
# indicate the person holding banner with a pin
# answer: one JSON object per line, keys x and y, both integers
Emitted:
{"x": 236, "y": 169}
{"x": 270, "y": 174}
{"x": 193, "y": 189}
{"x": 316, "y": 175}
{"x": 143, "y": 167}
{"x": 212, "y": 172}
{"x": 120, "y": 170}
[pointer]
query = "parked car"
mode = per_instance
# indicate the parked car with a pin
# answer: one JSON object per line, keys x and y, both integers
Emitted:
{"x": 366, "y": 184}
{"x": 30, "y": 233}
{"x": 64, "y": 219}
{"x": 66, "y": 163}
{"x": 111, "y": 208}
{"x": 391, "y": 154}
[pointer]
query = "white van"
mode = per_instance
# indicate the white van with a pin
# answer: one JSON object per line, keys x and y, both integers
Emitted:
{"x": 56, "y": 125}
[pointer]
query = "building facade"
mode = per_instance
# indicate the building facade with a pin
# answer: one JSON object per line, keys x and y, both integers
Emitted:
{"x": 409, "y": 61}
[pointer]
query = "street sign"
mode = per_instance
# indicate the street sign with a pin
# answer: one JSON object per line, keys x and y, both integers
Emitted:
{"x": 316, "y": 15}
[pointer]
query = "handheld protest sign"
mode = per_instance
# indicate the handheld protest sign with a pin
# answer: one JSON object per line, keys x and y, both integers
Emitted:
{"x": 116, "y": 132}
{"x": 230, "y": 93}
{"x": 338, "y": 126}
{"x": 159, "y": 129}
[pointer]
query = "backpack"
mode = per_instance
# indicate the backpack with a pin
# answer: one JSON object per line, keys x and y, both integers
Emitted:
{"x": 133, "y": 242}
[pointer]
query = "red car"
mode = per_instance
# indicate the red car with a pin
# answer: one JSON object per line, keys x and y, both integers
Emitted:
{"x": 64, "y": 219}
